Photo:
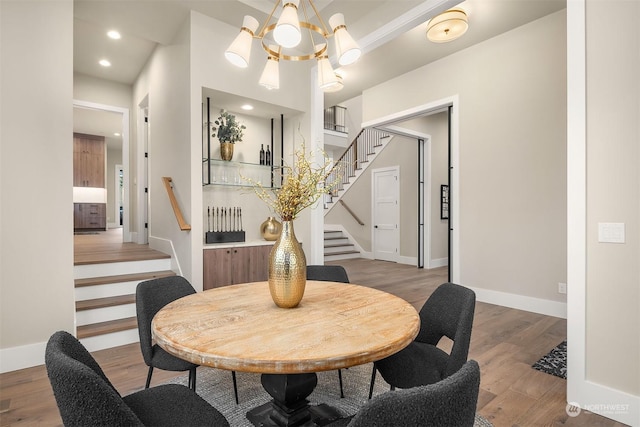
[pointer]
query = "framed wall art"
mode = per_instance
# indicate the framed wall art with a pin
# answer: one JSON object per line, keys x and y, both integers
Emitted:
{"x": 444, "y": 202}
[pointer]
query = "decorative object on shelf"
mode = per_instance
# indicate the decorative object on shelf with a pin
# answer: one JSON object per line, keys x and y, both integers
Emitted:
{"x": 262, "y": 154}
{"x": 267, "y": 157}
{"x": 303, "y": 186}
{"x": 447, "y": 26}
{"x": 270, "y": 229}
{"x": 224, "y": 225}
{"x": 228, "y": 131}
{"x": 287, "y": 33}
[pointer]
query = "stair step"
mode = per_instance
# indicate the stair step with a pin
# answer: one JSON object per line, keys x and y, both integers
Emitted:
{"x": 107, "y": 327}
{"x": 339, "y": 245}
{"x": 344, "y": 253}
{"x": 105, "y": 302}
{"x": 135, "y": 277}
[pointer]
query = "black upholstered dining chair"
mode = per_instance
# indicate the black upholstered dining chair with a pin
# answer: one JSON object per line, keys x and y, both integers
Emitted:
{"x": 151, "y": 296}
{"x": 450, "y": 402}
{"x": 86, "y": 397}
{"x": 447, "y": 312}
{"x": 329, "y": 273}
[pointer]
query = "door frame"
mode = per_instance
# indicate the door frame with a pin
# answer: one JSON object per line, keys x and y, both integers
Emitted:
{"x": 386, "y": 123}
{"x": 395, "y": 169}
{"x": 126, "y": 236}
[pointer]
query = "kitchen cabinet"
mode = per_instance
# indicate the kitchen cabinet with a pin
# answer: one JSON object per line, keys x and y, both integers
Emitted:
{"x": 233, "y": 265}
{"x": 89, "y": 216}
{"x": 89, "y": 154}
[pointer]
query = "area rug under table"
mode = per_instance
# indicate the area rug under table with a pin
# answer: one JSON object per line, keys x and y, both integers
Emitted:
{"x": 554, "y": 362}
{"x": 216, "y": 387}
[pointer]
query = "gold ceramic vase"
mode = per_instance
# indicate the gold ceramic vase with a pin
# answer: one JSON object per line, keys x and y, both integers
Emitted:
{"x": 287, "y": 269}
{"x": 226, "y": 151}
{"x": 270, "y": 229}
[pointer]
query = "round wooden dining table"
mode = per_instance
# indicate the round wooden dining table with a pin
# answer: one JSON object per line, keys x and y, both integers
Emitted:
{"x": 239, "y": 328}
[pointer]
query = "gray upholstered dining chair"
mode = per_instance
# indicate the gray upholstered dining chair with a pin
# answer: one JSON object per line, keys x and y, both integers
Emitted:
{"x": 450, "y": 402}
{"x": 329, "y": 273}
{"x": 86, "y": 397}
{"x": 151, "y": 296}
{"x": 447, "y": 312}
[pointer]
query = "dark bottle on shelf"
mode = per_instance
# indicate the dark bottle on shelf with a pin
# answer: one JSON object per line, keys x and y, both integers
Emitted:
{"x": 262, "y": 155}
{"x": 267, "y": 157}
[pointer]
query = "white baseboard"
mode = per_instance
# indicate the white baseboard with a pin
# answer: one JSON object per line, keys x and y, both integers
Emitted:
{"x": 613, "y": 404}
{"x": 521, "y": 302}
{"x": 408, "y": 260}
{"x": 440, "y": 262}
{"x": 166, "y": 246}
{"x": 21, "y": 357}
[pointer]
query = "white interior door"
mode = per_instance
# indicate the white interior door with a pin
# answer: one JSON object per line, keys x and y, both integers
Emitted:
{"x": 386, "y": 213}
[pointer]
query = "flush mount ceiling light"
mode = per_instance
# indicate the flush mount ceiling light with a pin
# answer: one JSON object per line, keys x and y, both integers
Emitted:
{"x": 447, "y": 26}
{"x": 287, "y": 34}
{"x": 104, "y": 63}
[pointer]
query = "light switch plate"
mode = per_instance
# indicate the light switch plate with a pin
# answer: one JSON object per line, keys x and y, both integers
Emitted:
{"x": 611, "y": 232}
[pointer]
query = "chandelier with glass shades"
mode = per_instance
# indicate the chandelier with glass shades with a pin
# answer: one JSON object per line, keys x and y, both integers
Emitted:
{"x": 285, "y": 40}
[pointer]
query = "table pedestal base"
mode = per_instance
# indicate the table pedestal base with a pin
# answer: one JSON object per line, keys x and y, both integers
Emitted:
{"x": 290, "y": 407}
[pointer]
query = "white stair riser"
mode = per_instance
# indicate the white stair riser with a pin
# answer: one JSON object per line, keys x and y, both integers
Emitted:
{"x": 118, "y": 268}
{"x": 100, "y": 342}
{"x": 342, "y": 241}
{"x": 107, "y": 290}
{"x": 87, "y": 317}
{"x": 331, "y": 234}
{"x": 328, "y": 251}
{"x": 339, "y": 257}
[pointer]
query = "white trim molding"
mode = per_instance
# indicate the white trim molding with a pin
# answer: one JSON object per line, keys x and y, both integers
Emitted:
{"x": 614, "y": 404}
{"x": 21, "y": 357}
{"x": 522, "y": 302}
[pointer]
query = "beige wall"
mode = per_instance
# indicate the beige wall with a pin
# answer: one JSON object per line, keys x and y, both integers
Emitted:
{"x": 512, "y": 94}
{"x": 613, "y": 195}
{"x": 36, "y": 242}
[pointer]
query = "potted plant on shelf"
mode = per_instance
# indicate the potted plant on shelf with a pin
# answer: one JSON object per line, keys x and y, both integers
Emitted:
{"x": 228, "y": 131}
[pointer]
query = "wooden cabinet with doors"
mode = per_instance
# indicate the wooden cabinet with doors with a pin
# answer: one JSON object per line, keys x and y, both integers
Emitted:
{"x": 233, "y": 265}
{"x": 89, "y": 154}
{"x": 89, "y": 216}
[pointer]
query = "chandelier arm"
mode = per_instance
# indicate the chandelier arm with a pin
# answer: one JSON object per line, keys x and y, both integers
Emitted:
{"x": 306, "y": 18}
{"x": 260, "y": 34}
{"x": 322, "y": 23}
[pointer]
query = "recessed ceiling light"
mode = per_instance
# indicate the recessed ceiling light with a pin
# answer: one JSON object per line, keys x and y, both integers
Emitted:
{"x": 114, "y": 35}
{"x": 116, "y": 134}
{"x": 247, "y": 107}
{"x": 104, "y": 63}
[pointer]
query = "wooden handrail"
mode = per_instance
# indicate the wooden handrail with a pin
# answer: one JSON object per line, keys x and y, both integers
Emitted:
{"x": 351, "y": 212}
{"x": 168, "y": 184}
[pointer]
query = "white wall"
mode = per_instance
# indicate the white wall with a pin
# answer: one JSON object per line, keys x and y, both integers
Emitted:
{"x": 512, "y": 153}
{"x": 165, "y": 79}
{"x": 36, "y": 233}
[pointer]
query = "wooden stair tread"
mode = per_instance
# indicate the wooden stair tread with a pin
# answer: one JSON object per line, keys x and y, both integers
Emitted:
{"x": 91, "y": 304}
{"x": 337, "y": 245}
{"x": 111, "y": 326}
{"x": 91, "y": 281}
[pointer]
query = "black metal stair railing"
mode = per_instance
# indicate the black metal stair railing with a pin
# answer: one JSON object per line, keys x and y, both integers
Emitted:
{"x": 356, "y": 154}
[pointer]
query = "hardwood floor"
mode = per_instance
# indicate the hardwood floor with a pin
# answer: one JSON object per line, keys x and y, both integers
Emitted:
{"x": 504, "y": 341}
{"x": 107, "y": 246}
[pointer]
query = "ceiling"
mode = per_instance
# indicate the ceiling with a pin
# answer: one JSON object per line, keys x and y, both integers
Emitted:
{"x": 390, "y": 32}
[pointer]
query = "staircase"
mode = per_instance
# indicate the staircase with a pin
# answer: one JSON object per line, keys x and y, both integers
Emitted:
{"x": 105, "y": 298}
{"x": 338, "y": 246}
{"x": 356, "y": 158}
{"x": 353, "y": 162}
